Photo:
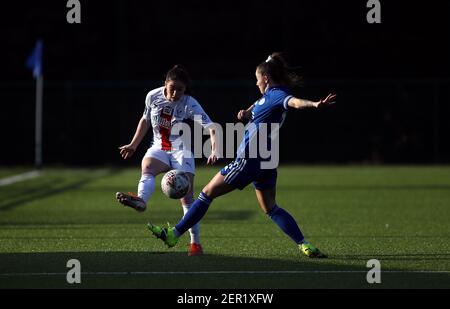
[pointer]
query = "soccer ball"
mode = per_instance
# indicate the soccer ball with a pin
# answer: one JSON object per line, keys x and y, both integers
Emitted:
{"x": 175, "y": 184}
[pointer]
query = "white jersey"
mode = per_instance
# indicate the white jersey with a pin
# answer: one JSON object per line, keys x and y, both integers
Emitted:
{"x": 164, "y": 114}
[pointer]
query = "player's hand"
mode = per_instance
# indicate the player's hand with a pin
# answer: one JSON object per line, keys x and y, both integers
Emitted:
{"x": 243, "y": 115}
{"x": 212, "y": 158}
{"x": 127, "y": 151}
{"x": 330, "y": 99}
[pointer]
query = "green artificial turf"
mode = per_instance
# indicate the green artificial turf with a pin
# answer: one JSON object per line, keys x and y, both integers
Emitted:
{"x": 399, "y": 215}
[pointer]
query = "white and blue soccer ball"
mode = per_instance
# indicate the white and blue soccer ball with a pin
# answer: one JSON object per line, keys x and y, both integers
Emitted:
{"x": 175, "y": 184}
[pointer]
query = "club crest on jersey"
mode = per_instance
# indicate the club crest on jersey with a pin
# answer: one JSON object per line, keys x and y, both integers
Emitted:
{"x": 179, "y": 112}
{"x": 167, "y": 110}
{"x": 261, "y": 101}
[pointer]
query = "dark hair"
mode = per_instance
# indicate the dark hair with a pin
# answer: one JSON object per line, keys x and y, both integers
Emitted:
{"x": 179, "y": 73}
{"x": 276, "y": 67}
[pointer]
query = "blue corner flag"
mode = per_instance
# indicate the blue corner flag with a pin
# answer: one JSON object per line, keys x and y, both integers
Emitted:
{"x": 34, "y": 61}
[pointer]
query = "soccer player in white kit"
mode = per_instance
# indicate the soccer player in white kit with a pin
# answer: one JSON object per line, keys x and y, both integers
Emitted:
{"x": 165, "y": 107}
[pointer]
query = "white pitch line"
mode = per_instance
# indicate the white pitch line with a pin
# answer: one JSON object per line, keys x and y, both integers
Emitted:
{"x": 21, "y": 177}
{"x": 228, "y": 272}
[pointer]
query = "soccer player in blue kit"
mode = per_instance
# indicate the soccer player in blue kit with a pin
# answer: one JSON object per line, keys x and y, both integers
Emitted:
{"x": 273, "y": 79}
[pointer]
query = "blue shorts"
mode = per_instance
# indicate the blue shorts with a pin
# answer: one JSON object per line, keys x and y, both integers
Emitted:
{"x": 242, "y": 172}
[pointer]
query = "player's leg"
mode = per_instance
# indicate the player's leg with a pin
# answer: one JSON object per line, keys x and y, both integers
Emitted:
{"x": 266, "y": 200}
{"x": 195, "y": 248}
{"x": 153, "y": 163}
{"x": 184, "y": 161}
{"x": 215, "y": 188}
{"x": 236, "y": 175}
{"x": 265, "y": 189}
{"x": 152, "y": 166}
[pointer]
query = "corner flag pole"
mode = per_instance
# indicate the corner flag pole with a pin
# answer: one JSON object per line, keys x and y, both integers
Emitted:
{"x": 38, "y": 122}
{"x": 34, "y": 62}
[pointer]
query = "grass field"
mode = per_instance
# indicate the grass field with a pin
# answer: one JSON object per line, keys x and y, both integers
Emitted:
{"x": 398, "y": 215}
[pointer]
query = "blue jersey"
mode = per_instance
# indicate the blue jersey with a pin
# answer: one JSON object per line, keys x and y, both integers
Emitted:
{"x": 270, "y": 109}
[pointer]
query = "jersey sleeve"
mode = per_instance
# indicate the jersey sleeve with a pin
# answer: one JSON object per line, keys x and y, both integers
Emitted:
{"x": 196, "y": 113}
{"x": 147, "y": 110}
{"x": 286, "y": 101}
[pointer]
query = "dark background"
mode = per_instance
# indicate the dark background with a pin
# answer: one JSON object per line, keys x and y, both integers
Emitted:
{"x": 392, "y": 79}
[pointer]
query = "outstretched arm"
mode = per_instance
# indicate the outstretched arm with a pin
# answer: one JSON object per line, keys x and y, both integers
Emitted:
{"x": 298, "y": 103}
{"x": 127, "y": 151}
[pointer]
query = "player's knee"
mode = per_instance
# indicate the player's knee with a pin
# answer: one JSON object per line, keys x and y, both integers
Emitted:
{"x": 187, "y": 200}
{"x": 209, "y": 191}
{"x": 148, "y": 171}
{"x": 146, "y": 168}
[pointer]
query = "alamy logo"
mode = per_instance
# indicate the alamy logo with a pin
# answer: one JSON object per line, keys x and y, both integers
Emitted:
{"x": 74, "y": 14}
{"x": 374, "y": 14}
{"x": 374, "y": 275}
{"x": 261, "y": 141}
{"x": 74, "y": 274}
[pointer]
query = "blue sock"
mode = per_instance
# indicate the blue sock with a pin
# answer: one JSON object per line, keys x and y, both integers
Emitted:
{"x": 194, "y": 215}
{"x": 286, "y": 223}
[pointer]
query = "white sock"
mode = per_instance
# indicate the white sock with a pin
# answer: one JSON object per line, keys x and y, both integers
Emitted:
{"x": 146, "y": 186}
{"x": 195, "y": 230}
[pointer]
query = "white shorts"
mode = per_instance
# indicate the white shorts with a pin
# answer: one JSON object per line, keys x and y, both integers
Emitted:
{"x": 177, "y": 159}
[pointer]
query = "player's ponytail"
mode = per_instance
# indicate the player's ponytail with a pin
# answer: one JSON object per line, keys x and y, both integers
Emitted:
{"x": 276, "y": 67}
{"x": 179, "y": 73}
